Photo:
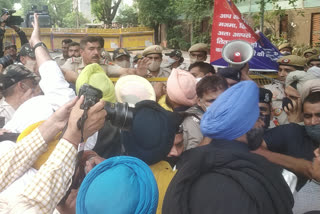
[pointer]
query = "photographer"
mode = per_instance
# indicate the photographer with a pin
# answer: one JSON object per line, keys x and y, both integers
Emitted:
{"x": 3, "y": 18}
{"x": 50, "y": 183}
{"x": 53, "y": 85}
{"x": 10, "y": 49}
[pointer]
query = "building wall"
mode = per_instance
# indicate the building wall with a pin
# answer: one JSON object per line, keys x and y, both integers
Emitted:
{"x": 299, "y": 26}
{"x": 84, "y": 6}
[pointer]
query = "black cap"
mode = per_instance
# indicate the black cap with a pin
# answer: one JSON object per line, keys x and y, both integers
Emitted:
{"x": 173, "y": 53}
{"x": 15, "y": 73}
{"x": 26, "y": 50}
{"x": 120, "y": 52}
{"x": 231, "y": 73}
{"x": 265, "y": 95}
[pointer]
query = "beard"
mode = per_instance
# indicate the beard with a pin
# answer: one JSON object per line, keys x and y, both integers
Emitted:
{"x": 255, "y": 138}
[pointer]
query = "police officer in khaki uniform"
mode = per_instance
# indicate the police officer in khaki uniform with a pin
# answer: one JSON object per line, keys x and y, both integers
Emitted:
{"x": 198, "y": 53}
{"x": 90, "y": 50}
{"x": 154, "y": 54}
{"x": 285, "y": 49}
{"x": 313, "y": 61}
{"x": 287, "y": 64}
{"x": 62, "y": 58}
{"x": 121, "y": 57}
{"x": 77, "y": 64}
{"x": 175, "y": 59}
{"x": 310, "y": 52}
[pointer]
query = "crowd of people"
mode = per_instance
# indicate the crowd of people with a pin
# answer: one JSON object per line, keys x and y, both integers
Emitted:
{"x": 196, "y": 139}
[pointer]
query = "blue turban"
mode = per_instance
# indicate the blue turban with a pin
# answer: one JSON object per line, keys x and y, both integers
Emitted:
{"x": 118, "y": 185}
{"x": 233, "y": 113}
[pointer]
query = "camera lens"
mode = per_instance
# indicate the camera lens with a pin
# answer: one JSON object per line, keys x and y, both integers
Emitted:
{"x": 119, "y": 114}
{"x": 6, "y": 61}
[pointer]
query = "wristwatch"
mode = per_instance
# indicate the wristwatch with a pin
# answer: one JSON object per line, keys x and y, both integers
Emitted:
{"x": 39, "y": 44}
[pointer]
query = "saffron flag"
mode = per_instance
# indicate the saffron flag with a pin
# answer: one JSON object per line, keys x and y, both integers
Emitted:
{"x": 229, "y": 25}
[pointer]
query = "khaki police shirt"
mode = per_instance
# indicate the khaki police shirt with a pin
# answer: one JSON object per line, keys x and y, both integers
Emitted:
{"x": 60, "y": 59}
{"x": 76, "y": 64}
{"x": 279, "y": 114}
{"x": 164, "y": 72}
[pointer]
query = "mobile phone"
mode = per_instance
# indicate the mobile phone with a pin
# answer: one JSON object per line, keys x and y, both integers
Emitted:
{"x": 285, "y": 102}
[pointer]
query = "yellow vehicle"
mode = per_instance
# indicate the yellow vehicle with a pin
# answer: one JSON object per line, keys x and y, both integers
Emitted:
{"x": 136, "y": 38}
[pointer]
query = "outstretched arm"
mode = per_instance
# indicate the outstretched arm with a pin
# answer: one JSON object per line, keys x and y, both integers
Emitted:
{"x": 54, "y": 177}
{"x": 297, "y": 165}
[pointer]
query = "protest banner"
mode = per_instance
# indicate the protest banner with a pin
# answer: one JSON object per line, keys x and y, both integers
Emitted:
{"x": 229, "y": 25}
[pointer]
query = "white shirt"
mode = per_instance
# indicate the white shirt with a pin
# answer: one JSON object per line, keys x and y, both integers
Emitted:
{"x": 6, "y": 110}
{"x": 56, "y": 93}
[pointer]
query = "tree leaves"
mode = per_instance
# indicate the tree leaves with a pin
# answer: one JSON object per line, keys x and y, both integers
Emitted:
{"x": 105, "y": 10}
{"x": 128, "y": 16}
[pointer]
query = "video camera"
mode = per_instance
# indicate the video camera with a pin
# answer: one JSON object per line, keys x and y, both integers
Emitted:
{"x": 5, "y": 61}
{"x": 12, "y": 20}
{"x": 119, "y": 114}
{"x": 43, "y": 15}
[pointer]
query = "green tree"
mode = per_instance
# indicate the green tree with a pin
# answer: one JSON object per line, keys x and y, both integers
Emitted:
{"x": 58, "y": 10}
{"x": 70, "y": 20}
{"x": 195, "y": 12}
{"x": 8, "y": 4}
{"x": 105, "y": 10}
{"x": 128, "y": 16}
{"x": 262, "y": 6}
{"x": 152, "y": 13}
{"x": 27, "y": 4}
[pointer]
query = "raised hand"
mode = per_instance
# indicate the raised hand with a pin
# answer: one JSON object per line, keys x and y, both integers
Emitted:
{"x": 142, "y": 66}
{"x": 35, "y": 36}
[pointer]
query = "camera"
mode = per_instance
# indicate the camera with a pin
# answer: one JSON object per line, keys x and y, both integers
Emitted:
{"x": 119, "y": 114}
{"x": 6, "y": 61}
{"x": 43, "y": 15}
{"x": 12, "y": 20}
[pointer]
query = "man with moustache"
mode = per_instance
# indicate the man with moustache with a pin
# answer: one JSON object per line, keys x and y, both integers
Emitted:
{"x": 74, "y": 49}
{"x": 90, "y": 50}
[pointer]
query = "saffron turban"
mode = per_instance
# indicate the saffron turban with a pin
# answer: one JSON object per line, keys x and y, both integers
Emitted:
{"x": 95, "y": 76}
{"x": 233, "y": 113}
{"x": 181, "y": 88}
{"x": 118, "y": 185}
